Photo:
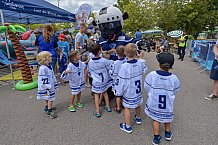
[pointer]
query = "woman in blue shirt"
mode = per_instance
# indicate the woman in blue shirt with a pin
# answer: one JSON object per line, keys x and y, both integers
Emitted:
{"x": 48, "y": 42}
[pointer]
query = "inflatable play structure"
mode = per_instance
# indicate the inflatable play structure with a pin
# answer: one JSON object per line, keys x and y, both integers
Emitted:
{"x": 22, "y": 61}
{"x": 27, "y": 45}
{"x": 32, "y": 12}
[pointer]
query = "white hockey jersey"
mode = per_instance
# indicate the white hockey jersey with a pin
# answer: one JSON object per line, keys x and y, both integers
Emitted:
{"x": 47, "y": 83}
{"x": 129, "y": 83}
{"x": 111, "y": 62}
{"x": 76, "y": 77}
{"x": 116, "y": 68}
{"x": 99, "y": 70}
{"x": 161, "y": 88}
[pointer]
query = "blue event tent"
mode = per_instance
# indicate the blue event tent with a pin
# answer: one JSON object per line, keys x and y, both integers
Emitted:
{"x": 33, "y": 11}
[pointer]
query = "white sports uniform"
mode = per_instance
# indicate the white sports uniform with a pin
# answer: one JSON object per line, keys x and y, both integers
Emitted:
{"x": 116, "y": 68}
{"x": 99, "y": 70}
{"x": 76, "y": 77}
{"x": 129, "y": 83}
{"x": 47, "y": 83}
{"x": 161, "y": 88}
{"x": 111, "y": 62}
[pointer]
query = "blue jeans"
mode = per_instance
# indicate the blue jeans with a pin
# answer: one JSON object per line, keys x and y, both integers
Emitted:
{"x": 62, "y": 69}
{"x": 214, "y": 71}
{"x": 54, "y": 61}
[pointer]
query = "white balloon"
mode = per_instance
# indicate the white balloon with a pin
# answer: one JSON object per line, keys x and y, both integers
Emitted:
{"x": 88, "y": 22}
{"x": 91, "y": 19}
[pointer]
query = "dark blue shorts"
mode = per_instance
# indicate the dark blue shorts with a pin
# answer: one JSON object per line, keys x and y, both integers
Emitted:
{"x": 62, "y": 69}
{"x": 214, "y": 72}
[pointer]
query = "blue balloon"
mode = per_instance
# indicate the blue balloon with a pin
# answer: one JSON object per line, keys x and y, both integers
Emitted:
{"x": 91, "y": 27}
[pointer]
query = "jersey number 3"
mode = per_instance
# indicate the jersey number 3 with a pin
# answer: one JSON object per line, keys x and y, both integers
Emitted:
{"x": 138, "y": 85}
{"x": 162, "y": 102}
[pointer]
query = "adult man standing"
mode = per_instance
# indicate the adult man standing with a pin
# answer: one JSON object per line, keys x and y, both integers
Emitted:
{"x": 182, "y": 46}
{"x": 138, "y": 35}
{"x": 79, "y": 41}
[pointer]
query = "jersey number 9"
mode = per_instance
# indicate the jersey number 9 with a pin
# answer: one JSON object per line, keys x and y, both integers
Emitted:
{"x": 162, "y": 102}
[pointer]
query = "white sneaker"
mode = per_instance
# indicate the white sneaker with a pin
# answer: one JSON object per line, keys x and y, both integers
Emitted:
{"x": 211, "y": 97}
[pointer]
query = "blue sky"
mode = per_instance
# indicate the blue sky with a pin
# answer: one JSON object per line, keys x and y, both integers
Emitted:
{"x": 73, "y": 5}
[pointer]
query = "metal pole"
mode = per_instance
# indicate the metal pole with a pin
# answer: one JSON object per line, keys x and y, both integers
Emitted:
{"x": 8, "y": 53}
{"x": 58, "y": 2}
{"x": 123, "y": 5}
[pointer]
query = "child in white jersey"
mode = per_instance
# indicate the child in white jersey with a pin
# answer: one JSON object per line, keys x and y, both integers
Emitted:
{"x": 106, "y": 55}
{"x": 115, "y": 70}
{"x": 161, "y": 87}
{"x": 75, "y": 75}
{"x": 129, "y": 85}
{"x": 47, "y": 83}
{"x": 99, "y": 70}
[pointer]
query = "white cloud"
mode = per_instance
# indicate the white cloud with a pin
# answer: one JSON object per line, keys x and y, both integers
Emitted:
{"x": 73, "y": 5}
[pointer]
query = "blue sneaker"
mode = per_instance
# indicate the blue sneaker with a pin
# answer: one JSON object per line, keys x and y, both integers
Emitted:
{"x": 108, "y": 109}
{"x": 138, "y": 120}
{"x": 168, "y": 135}
{"x": 124, "y": 128}
{"x": 157, "y": 140}
{"x": 97, "y": 114}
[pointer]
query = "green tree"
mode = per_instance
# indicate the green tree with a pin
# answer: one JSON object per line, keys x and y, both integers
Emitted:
{"x": 167, "y": 14}
{"x": 192, "y": 16}
{"x": 121, "y": 4}
{"x": 141, "y": 15}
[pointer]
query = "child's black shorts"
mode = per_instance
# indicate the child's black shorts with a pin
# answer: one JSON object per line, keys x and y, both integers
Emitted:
{"x": 119, "y": 97}
{"x": 90, "y": 80}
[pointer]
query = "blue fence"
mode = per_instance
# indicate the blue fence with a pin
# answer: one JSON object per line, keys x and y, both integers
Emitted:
{"x": 202, "y": 52}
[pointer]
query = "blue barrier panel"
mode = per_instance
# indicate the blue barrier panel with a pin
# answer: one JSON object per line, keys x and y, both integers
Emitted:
{"x": 203, "y": 51}
{"x": 193, "y": 44}
{"x": 196, "y": 51}
{"x": 210, "y": 56}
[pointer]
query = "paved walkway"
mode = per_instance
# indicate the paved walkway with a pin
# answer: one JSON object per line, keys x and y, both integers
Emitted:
{"x": 22, "y": 121}
{"x": 4, "y": 71}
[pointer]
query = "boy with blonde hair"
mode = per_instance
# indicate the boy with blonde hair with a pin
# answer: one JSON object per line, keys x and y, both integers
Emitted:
{"x": 47, "y": 83}
{"x": 129, "y": 85}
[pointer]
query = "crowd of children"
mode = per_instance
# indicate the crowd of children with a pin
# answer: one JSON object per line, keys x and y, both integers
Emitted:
{"x": 124, "y": 76}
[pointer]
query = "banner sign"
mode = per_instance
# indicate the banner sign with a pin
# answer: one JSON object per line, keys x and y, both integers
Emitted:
{"x": 39, "y": 7}
{"x": 83, "y": 14}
